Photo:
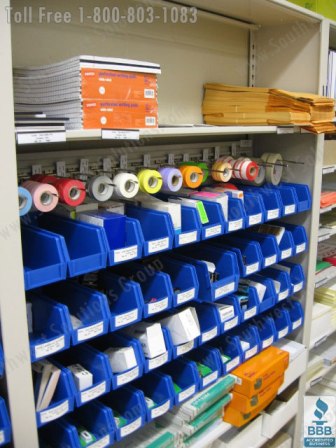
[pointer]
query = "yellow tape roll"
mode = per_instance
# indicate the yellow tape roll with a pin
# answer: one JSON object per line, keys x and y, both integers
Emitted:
{"x": 192, "y": 176}
{"x": 150, "y": 181}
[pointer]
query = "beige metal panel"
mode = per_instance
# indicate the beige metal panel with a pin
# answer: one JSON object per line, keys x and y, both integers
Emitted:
{"x": 12, "y": 298}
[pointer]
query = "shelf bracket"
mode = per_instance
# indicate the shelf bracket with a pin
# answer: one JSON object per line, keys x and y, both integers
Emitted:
{"x": 252, "y": 59}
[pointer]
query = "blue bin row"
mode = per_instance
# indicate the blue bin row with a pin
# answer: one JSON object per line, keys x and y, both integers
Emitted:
{"x": 155, "y": 393}
{"x": 5, "y": 424}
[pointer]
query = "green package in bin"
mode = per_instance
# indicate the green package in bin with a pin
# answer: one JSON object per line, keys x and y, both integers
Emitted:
{"x": 203, "y": 370}
{"x": 177, "y": 388}
{"x": 120, "y": 421}
{"x": 85, "y": 437}
{"x": 150, "y": 403}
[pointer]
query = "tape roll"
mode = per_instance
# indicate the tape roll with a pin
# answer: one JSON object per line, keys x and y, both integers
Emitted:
{"x": 126, "y": 185}
{"x": 204, "y": 167}
{"x": 274, "y": 171}
{"x": 221, "y": 171}
{"x": 172, "y": 179}
{"x": 265, "y": 156}
{"x": 44, "y": 196}
{"x": 261, "y": 178}
{"x": 100, "y": 188}
{"x": 192, "y": 176}
{"x": 25, "y": 201}
{"x": 150, "y": 181}
{"x": 71, "y": 191}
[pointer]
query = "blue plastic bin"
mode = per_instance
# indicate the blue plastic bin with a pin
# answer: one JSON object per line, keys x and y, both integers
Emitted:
{"x": 296, "y": 314}
{"x": 228, "y": 324}
{"x": 303, "y": 196}
{"x": 251, "y": 308}
{"x": 2, "y": 361}
{"x": 254, "y": 209}
{"x": 271, "y": 199}
{"x": 296, "y": 274}
{"x": 96, "y": 363}
{"x": 230, "y": 351}
{"x": 283, "y": 283}
{"x": 226, "y": 266}
{"x": 288, "y": 196}
{"x": 183, "y": 277}
{"x": 125, "y": 299}
{"x": 185, "y": 375}
{"x": 248, "y": 333}
{"x": 299, "y": 235}
{"x": 51, "y": 332}
{"x": 217, "y": 224}
{"x": 85, "y": 304}
{"x": 160, "y": 389}
{"x": 44, "y": 257}
{"x": 268, "y": 244}
{"x": 63, "y": 399}
{"x": 266, "y": 329}
{"x": 209, "y": 357}
{"x": 236, "y": 214}
{"x": 282, "y": 321}
{"x": 267, "y": 297}
{"x": 86, "y": 243}
{"x": 128, "y": 402}
{"x": 286, "y": 244}
{"x": 5, "y": 424}
{"x": 157, "y": 229}
{"x": 178, "y": 350}
{"x": 191, "y": 227}
{"x": 209, "y": 322}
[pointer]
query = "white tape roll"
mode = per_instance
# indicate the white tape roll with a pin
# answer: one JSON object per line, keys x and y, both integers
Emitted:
{"x": 274, "y": 171}
{"x": 126, "y": 185}
{"x": 100, "y": 188}
{"x": 261, "y": 178}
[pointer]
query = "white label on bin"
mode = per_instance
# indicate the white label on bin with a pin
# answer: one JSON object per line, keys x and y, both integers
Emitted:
{"x": 251, "y": 268}
{"x": 270, "y": 260}
{"x": 128, "y": 429}
{"x": 186, "y": 238}
{"x": 210, "y": 378}
{"x": 126, "y": 318}
{"x": 2, "y": 436}
{"x": 212, "y": 231}
{"x": 158, "y": 361}
{"x": 186, "y": 296}
{"x": 128, "y": 376}
{"x": 289, "y": 209}
{"x": 156, "y": 307}
{"x": 273, "y": 214}
{"x": 184, "y": 348}
{"x": 232, "y": 364}
{"x": 300, "y": 248}
{"x": 102, "y": 443}
{"x": 187, "y": 393}
{"x": 297, "y": 323}
{"x": 283, "y": 333}
{"x": 226, "y": 289}
{"x": 297, "y": 287}
{"x": 125, "y": 254}
{"x": 250, "y": 313}
{"x": 208, "y": 335}
{"x": 283, "y": 295}
{"x": 94, "y": 392}
{"x": 49, "y": 347}
{"x": 267, "y": 342}
{"x": 255, "y": 219}
{"x": 160, "y": 410}
{"x": 91, "y": 331}
{"x": 286, "y": 253}
{"x": 253, "y": 351}
{"x": 54, "y": 413}
{"x": 157, "y": 245}
{"x": 231, "y": 323}
{"x": 235, "y": 225}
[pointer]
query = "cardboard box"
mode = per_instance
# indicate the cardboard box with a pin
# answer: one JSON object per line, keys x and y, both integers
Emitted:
{"x": 260, "y": 371}
{"x": 121, "y": 358}
{"x": 329, "y": 155}
{"x": 113, "y": 207}
{"x": 150, "y": 337}
{"x": 82, "y": 377}
{"x": 183, "y": 326}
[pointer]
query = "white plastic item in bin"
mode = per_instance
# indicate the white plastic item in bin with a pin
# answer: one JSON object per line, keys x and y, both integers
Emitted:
{"x": 121, "y": 358}
{"x": 150, "y": 337}
{"x": 183, "y": 326}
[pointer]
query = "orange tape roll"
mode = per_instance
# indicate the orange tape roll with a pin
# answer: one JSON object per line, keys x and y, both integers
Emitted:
{"x": 192, "y": 176}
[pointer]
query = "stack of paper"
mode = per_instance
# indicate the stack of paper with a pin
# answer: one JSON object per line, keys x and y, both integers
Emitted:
{"x": 93, "y": 92}
{"x": 324, "y": 272}
{"x": 227, "y": 105}
{"x": 315, "y": 364}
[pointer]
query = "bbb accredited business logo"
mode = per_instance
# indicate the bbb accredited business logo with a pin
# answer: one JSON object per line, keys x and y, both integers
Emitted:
{"x": 320, "y": 422}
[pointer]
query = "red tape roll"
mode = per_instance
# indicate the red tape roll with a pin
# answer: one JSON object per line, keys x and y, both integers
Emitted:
{"x": 71, "y": 191}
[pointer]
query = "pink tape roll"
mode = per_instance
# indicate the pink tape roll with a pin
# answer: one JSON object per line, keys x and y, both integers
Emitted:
{"x": 45, "y": 196}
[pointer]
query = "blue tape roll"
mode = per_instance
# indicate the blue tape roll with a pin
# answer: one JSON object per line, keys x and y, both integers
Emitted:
{"x": 25, "y": 201}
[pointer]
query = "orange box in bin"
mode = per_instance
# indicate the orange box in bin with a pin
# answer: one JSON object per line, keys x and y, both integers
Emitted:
{"x": 120, "y": 85}
{"x": 246, "y": 404}
{"x": 260, "y": 371}
{"x": 115, "y": 114}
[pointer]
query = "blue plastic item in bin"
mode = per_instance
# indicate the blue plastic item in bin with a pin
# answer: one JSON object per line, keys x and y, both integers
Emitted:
{"x": 267, "y": 297}
{"x": 226, "y": 266}
{"x": 268, "y": 244}
{"x": 228, "y": 324}
{"x": 230, "y": 351}
{"x": 124, "y": 297}
{"x": 282, "y": 321}
{"x": 85, "y": 304}
{"x": 96, "y": 363}
{"x": 44, "y": 257}
{"x": 249, "y": 293}
{"x": 128, "y": 402}
{"x": 120, "y": 340}
{"x": 63, "y": 400}
{"x": 295, "y": 272}
{"x": 236, "y": 215}
{"x": 217, "y": 224}
{"x": 209, "y": 357}
{"x": 299, "y": 235}
{"x": 249, "y": 255}
{"x": 283, "y": 284}
{"x": 51, "y": 332}
{"x": 153, "y": 363}
{"x": 5, "y": 425}
{"x": 209, "y": 322}
{"x": 266, "y": 329}
{"x": 86, "y": 243}
{"x": 295, "y": 311}
{"x": 132, "y": 249}
{"x": 160, "y": 389}
{"x": 248, "y": 334}
{"x": 254, "y": 209}
{"x": 303, "y": 196}
{"x": 191, "y": 227}
{"x": 185, "y": 375}
{"x": 271, "y": 198}
{"x": 183, "y": 277}
{"x": 157, "y": 229}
